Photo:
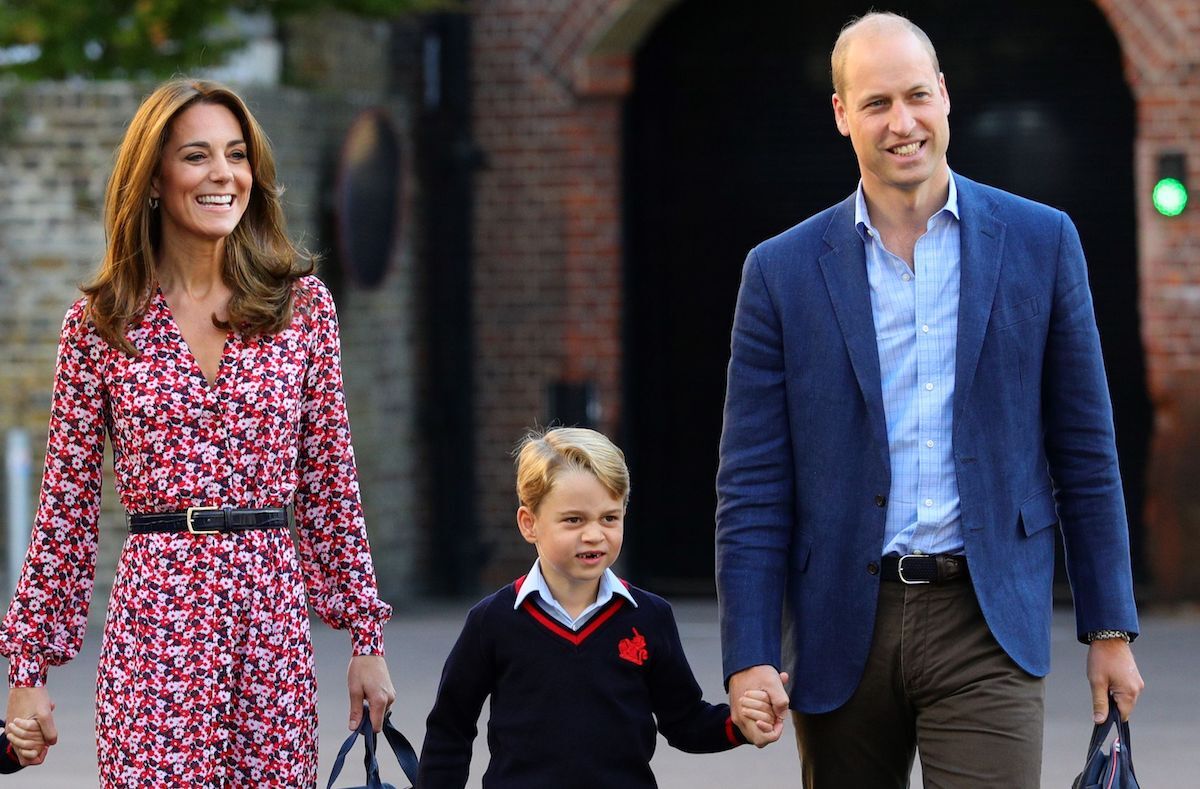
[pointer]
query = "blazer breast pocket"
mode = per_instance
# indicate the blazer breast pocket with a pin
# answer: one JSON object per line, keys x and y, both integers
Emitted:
{"x": 1007, "y": 315}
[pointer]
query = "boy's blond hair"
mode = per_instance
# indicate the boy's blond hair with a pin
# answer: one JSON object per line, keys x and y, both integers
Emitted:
{"x": 542, "y": 455}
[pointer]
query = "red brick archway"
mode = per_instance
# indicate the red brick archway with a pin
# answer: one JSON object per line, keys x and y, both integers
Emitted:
{"x": 549, "y": 85}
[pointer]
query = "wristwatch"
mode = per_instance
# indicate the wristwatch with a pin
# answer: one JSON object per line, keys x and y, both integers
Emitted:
{"x": 1106, "y": 635}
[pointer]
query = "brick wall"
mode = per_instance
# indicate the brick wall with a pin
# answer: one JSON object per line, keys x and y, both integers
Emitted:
{"x": 55, "y": 157}
{"x": 549, "y": 79}
{"x": 1161, "y": 42}
{"x": 380, "y": 340}
{"x": 56, "y": 147}
{"x": 547, "y": 267}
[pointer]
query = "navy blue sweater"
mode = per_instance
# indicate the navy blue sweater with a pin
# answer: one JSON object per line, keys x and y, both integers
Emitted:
{"x": 568, "y": 709}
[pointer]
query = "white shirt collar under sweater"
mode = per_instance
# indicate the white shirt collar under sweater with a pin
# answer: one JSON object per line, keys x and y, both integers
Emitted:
{"x": 610, "y": 584}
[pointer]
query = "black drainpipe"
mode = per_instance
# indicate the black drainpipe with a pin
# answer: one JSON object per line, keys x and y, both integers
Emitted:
{"x": 446, "y": 160}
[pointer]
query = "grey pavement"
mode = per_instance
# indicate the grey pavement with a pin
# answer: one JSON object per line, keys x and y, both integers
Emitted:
{"x": 1166, "y": 729}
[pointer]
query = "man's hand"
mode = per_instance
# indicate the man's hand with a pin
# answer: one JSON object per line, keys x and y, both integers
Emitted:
{"x": 763, "y": 725}
{"x": 770, "y": 681}
{"x": 369, "y": 681}
{"x": 1111, "y": 669}
{"x": 30, "y": 707}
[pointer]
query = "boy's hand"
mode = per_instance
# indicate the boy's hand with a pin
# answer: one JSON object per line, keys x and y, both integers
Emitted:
{"x": 755, "y": 714}
{"x": 31, "y": 707}
{"x": 27, "y": 741}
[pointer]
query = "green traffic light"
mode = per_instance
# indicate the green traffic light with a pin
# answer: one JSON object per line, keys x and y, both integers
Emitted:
{"x": 1170, "y": 197}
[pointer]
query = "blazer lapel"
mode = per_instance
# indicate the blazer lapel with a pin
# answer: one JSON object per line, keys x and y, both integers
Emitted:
{"x": 981, "y": 237}
{"x": 844, "y": 266}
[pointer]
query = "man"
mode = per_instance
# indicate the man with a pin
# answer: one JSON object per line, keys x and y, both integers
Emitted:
{"x": 916, "y": 396}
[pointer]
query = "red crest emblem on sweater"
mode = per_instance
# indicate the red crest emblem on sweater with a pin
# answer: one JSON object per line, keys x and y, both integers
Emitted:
{"x": 634, "y": 649}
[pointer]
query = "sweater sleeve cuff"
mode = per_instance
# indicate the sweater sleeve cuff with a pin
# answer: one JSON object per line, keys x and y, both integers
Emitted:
{"x": 733, "y": 733}
{"x": 25, "y": 671}
{"x": 366, "y": 638}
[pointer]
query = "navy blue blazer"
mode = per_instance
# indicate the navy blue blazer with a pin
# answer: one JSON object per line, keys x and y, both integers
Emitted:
{"x": 804, "y": 466}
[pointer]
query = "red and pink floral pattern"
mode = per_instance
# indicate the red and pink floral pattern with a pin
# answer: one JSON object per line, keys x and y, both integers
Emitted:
{"x": 206, "y": 671}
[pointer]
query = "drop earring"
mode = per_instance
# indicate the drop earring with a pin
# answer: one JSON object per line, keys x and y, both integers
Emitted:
{"x": 153, "y": 203}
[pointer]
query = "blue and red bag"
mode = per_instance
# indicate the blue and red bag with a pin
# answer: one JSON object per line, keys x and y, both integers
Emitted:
{"x": 401, "y": 747}
{"x": 1112, "y": 769}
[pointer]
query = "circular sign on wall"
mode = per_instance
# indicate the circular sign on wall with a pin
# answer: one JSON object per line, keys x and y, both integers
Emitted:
{"x": 367, "y": 200}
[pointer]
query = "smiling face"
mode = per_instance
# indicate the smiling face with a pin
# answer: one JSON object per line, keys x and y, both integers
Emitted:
{"x": 577, "y": 528}
{"x": 204, "y": 178}
{"x": 894, "y": 107}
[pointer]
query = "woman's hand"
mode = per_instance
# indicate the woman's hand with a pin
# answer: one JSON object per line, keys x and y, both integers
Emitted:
{"x": 369, "y": 681}
{"x": 30, "y": 726}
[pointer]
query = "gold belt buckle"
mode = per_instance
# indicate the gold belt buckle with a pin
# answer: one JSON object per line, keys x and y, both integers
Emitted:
{"x": 193, "y": 529}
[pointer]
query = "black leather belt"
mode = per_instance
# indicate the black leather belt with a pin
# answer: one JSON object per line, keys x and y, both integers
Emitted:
{"x": 920, "y": 568}
{"x": 208, "y": 520}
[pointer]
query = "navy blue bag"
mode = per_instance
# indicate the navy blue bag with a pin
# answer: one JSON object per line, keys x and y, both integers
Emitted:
{"x": 401, "y": 747}
{"x": 1114, "y": 769}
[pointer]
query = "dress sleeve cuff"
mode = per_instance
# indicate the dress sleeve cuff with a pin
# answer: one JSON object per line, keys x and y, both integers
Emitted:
{"x": 366, "y": 638}
{"x": 25, "y": 671}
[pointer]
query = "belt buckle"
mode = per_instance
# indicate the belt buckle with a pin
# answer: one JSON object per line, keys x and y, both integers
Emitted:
{"x": 900, "y": 569}
{"x": 192, "y": 529}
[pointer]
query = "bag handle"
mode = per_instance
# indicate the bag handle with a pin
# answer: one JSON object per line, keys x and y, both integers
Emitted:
{"x": 345, "y": 751}
{"x": 402, "y": 749}
{"x": 405, "y": 754}
{"x": 1100, "y": 732}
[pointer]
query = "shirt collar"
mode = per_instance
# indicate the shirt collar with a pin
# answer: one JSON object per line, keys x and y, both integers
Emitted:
{"x": 862, "y": 219}
{"x": 534, "y": 581}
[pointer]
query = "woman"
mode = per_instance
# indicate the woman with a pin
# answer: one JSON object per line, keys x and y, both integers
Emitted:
{"x": 209, "y": 355}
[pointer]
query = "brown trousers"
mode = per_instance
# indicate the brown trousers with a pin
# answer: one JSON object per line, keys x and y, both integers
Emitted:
{"x": 936, "y": 682}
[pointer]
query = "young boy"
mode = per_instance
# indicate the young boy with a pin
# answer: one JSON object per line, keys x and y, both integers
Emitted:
{"x": 580, "y": 666}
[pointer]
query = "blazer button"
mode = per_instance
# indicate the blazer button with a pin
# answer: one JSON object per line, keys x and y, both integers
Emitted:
{"x": 873, "y": 568}
{"x": 881, "y": 501}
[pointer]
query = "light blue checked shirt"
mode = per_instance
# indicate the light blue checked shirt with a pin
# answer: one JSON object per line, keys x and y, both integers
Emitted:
{"x": 916, "y": 331}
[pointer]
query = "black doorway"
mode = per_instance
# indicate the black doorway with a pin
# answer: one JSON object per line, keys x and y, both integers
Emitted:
{"x": 730, "y": 139}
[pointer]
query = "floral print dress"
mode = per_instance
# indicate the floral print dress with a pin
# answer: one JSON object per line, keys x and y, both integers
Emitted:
{"x": 206, "y": 670}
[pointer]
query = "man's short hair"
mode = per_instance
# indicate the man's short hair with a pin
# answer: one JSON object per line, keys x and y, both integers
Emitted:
{"x": 876, "y": 20}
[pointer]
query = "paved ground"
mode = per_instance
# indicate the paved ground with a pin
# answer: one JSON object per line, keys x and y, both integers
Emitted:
{"x": 1166, "y": 727}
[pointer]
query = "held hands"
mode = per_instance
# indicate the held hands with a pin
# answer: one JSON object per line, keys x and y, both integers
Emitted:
{"x": 30, "y": 724}
{"x": 27, "y": 741}
{"x": 370, "y": 682}
{"x": 1112, "y": 669}
{"x": 758, "y": 703}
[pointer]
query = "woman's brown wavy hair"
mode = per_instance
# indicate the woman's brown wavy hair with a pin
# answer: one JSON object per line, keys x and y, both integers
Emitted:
{"x": 260, "y": 261}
